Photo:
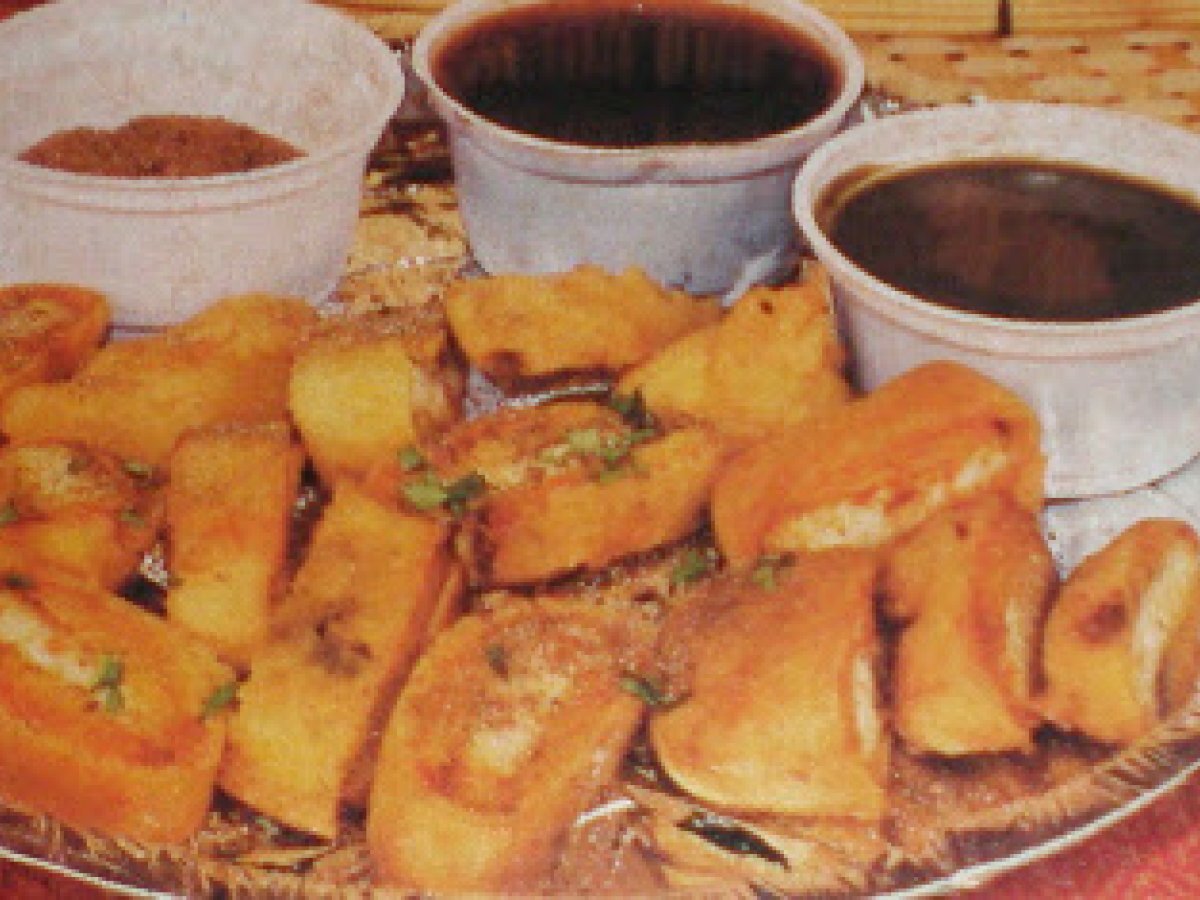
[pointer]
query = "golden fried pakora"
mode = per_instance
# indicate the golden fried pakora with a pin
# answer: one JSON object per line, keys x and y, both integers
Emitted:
{"x": 771, "y": 362}
{"x": 134, "y": 398}
{"x": 230, "y": 497}
{"x": 528, "y": 328}
{"x": 1122, "y": 645}
{"x": 505, "y": 732}
{"x": 357, "y": 615}
{"x": 47, "y": 331}
{"x": 871, "y": 470}
{"x": 969, "y": 588}
{"x": 76, "y": 511}
{"x": 776, "y": 708}
{"x": 110, "y": 718}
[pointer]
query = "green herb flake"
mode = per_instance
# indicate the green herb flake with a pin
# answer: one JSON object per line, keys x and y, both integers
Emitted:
{"x": 430, "y": 493}
{"x": 427, "y": 494}
{"x": 9, "y": 513}
{"x": 632, "y": 408}
{"x": 139, "y": 470}
{"x": 222, "y": 697}
{"x": 647, "y": 690}
{"x": 107, "y": 684}
{"x": 692, "y": 566}
{"x": 411, "y": 459}
{"x": 132, "y": 517}
{"x": 767, "y": 570}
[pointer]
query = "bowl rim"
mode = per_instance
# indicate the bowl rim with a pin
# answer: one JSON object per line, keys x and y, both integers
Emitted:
{"x": 279, "y": 177}
{"x": 985, "y": 333}
{"x": 684, "y": 161}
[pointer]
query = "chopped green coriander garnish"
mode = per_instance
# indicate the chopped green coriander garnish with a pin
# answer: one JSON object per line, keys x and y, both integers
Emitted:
{"x": 692, "y": 566}
{"x": 430, "y": 492}
{"x": 132, "y": 517}
{"x": 766, "y": 571}
{"x": 107, "y": 684}
{"x": 8, "y": 513}
{"x": 632, "y": 408}
{"x": 411, "y": 459}
{"x": 221, "y": 698}
{"x": 648, "y": 691}
{"x": 140, "y": 470}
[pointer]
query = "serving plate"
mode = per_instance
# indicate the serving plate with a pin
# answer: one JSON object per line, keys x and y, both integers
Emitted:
{"x": 409, "y": 245}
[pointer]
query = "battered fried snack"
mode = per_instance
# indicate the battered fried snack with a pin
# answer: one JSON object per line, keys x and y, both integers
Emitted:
{"x": 776, "y": 709}
{"x": 502, "y": 736}
{"x": 109, "y": 717}
{"x": 47, "y": 331}
{"x": 873, "y": 469}
{"x": 518, "y": 328}
{"x": 230, "y": 497}
{"x": 1122, "y": 649}
{"x": 134, "y": 398}
{"x": 970, "y": 587}
{"x": 79, "y": 512}
{"x": 355, "y": 619}
{"x": 359, "y": 391}
{"x": 770, "y": 363}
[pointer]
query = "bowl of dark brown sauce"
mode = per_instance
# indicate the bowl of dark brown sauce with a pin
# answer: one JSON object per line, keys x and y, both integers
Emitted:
{"x": 1054, "y": 247}
{"x": 168, "y": 154}
{"x": 658, "y": 133}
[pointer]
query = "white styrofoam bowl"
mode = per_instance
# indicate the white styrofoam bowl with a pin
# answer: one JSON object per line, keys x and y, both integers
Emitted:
{"x": 698, "y": 217}
{"x": 162, "y": 248}
{"x": 1119, "y": 400}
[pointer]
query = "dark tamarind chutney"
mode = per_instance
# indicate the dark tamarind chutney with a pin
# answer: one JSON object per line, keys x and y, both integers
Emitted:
{"x": 1020, "y": 238}
{"x": 618, "y": 73}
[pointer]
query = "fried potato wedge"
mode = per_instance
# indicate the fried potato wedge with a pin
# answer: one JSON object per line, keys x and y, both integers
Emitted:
{"x": 772, "y": 361}
{"x": 47, "y": 331}
{"x": 871, "y": 470}
{"x": 80, "y": 512}
{"x": 522, "y": 328}
{"x": 1122, "y": 645}
{"x": 356, "y": 617}
{"x": 779, "y": 710}
{"x": 230, "y": 363}
{"x": 505, "y": 732}
{"x": 970, "y": 588}
{"x": 107, "y": 717}
{"x": 357, "y": 395}
{"x": 230, "y": 497}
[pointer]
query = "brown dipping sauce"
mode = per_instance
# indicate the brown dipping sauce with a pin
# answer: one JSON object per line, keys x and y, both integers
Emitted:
{"x": 1020, "y": 239}
{"x": 161, "y": 147}
{"x": 617, "y": 73}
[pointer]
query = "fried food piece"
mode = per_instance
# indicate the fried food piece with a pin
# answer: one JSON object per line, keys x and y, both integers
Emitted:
{"x": 229, "y": 502}
{"x": 970, "y": 587}
{"x": 80, "y": 512}
{"x": 771, "y": 362}
{"x": 47, "y": 331}
{"x": 1122, "y": 649}
{"x": 779, "y": 709}
{"x": 507, "y": 729}
{"x": 108, "y": 716}
{"x": 355, "y": 619}
{"x": 357, "y": 395}
{"x": 521, "y": 328}
{"x": 230, "y": 363}
{"x": 873, "y": 469}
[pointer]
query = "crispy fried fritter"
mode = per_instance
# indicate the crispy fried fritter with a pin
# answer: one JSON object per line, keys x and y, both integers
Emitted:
{"x": 519, "y": 328}
{"x": 108, "y": 716}
{"x": 47, "y": 331}
{"x": 1122, "y": 646}
{"x": 357, "y": 615}
{"x": 778, "y": 710}
{"x": 771, "y": 362}
{"x": 970, "y": 587}
{"x": 231, "y": 493}
{"x": 76, "y": 511}
{"x": 868, "y": 471}
{"x": 505, "y": 732}
{"x": 230, "y": 363}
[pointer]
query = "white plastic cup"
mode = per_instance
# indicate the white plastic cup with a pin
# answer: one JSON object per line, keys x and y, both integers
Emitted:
{"x": 699, "y": 217}
{"x": 1118, "y": 400}
{"x": 163, "y": 248}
